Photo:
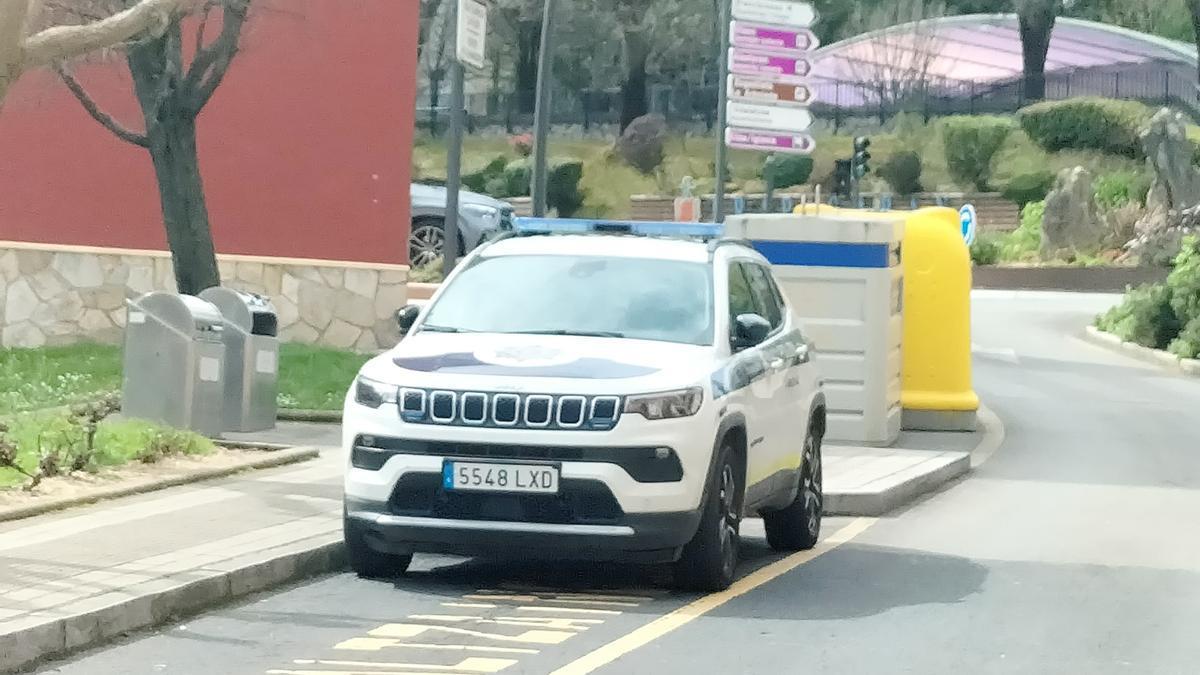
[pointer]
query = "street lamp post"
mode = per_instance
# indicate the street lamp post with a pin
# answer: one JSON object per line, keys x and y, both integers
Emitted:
{"x": 541, "y": 112}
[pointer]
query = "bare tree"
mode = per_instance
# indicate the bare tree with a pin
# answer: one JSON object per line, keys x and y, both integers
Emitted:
{"x": 1036, "y": 19}
{"x": 22, "y": 47}
{"x": 171, "y": 96}
{"x": 894, "y": 65}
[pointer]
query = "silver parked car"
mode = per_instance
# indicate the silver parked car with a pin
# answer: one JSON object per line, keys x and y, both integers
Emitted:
{"x": 478, "y": 216}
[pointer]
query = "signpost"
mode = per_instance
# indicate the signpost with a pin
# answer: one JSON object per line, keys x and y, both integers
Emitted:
{"x": 969, "y": 222}
{"x": 471, "y": 47}
{"x": 764, "y": 104}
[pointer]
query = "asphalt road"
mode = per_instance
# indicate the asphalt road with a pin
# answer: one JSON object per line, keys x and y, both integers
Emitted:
{"x": 1073, "y": 549}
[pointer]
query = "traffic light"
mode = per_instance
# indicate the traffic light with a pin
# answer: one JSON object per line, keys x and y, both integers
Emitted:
{"x": 862, "y": 157}
{"x": 841, "y": 177}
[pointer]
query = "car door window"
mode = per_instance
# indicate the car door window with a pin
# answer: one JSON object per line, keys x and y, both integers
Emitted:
{"x": 741, "y": 297}
{"x": 765, "y": 297}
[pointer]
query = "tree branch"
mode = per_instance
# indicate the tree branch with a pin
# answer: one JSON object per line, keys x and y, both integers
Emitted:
{"x": 64, "y": 42}
{"x": 209, "y": 67}
{"x": 105, "y": 120}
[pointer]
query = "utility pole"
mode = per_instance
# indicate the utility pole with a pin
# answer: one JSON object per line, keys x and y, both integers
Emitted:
{"x": 722, "y": 100}
{"x": 453, "y": 152}
{"x": 541, "y": 111}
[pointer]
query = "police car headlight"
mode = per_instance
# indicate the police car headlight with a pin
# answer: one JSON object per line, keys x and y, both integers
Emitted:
{"x": 373, "y": 394}
{"x": 667, "y": 405}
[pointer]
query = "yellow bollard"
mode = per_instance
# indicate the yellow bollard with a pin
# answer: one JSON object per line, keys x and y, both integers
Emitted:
{"x": 936, "y": 386}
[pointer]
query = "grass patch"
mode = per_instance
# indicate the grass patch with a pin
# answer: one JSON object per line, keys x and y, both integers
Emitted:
{"x": 53, "y": 376}
{"x": 311, "y": 378}
{"x": 316, "y": 378}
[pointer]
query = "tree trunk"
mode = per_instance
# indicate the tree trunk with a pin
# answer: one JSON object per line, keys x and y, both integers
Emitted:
{"x": 171, "y": 132}
{"x": 633, "y": 89}
{"x": 1194, "y": 8}
{"x": 435, "y": 99}
{"x": 529, "y": 45}
{"x": 1036, "y": 19}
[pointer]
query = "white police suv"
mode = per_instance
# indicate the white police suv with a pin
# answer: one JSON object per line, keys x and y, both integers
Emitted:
{"x": 590, "y": 390}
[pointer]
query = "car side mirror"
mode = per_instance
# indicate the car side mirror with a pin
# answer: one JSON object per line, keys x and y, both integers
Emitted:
{"x": 749, "y": 330}
{"x": 406, "y": 317}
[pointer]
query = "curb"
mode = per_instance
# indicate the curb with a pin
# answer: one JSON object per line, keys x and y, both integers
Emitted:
{"x": 319, "y": 416}
{"x": 58, "y": 637}
{"x": 1068, "y": 278}
{"x": 276, "y": 457}
{"x": 1156, "y": 357}
{"x": 879, "y": 503}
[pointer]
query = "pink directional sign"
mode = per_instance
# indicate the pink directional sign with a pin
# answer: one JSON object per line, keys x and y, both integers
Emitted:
{"x": 750, "y": 139}
{"x": 766, "y": 64}
{"x": 763, "y": 36}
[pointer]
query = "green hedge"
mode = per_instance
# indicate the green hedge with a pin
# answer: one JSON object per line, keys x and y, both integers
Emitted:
{"x": 1163, "y": 316}
{"x": 1087, "y": 123}
{"x": 902, "y": 171}
{"x": 970, "y": 144}
{"x": 1029, "y": 187}
{"x": 785, "y": 171}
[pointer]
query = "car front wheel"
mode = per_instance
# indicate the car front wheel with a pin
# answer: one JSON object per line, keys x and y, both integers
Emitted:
{"x": 365, "y": 561}
{"x": 710, "y": 559}
{"x": 797, "y": 527}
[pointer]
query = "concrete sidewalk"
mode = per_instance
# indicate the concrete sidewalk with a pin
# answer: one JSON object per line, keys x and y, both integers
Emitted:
{"x": 84, "y": 576}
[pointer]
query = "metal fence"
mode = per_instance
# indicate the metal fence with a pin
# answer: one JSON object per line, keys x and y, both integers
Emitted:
{"x": 837, "y": 103}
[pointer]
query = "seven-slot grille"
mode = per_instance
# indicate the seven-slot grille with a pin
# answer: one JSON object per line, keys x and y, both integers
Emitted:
{"x": 508, "y": 410}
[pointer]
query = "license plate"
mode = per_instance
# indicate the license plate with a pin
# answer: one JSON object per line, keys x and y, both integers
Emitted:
{"x": 489, "y": 477}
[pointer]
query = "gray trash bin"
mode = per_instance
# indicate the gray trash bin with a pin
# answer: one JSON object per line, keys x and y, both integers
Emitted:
{"x": 174, "y": 362}
{"x": 251, "y": 358}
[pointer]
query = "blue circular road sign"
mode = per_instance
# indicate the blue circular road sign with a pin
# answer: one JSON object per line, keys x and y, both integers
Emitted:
{"x": 969, "y": 222}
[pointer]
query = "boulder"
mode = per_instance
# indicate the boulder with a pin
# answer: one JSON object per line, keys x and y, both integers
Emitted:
{"x": 1176, "y": 182}
{"x": 1072, "y": 222}
{"x": 641, "y": 144}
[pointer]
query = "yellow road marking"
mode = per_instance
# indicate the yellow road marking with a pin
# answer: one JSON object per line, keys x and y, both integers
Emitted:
{"x": 571, "y": 610}
{"x": 361, "y": 672}
{"x": 560, "y": 595}
{"x": 473, "y": 664}
{"x": 556, "y": 623}
{"x": 408, "y": 630}
{"x": 669, "y": 622}
{"x": 374, "y": 644}
{"x": 534, "y": 598}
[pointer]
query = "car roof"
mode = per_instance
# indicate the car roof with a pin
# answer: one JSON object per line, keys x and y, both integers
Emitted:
{"x": 604, "y": 245}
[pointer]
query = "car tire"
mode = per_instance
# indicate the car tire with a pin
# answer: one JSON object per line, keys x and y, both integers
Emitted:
{"x": 427, "y": 238}
{"x": 798, "y": 527}
{"x": 365, "y": 561}
{"x": 709, "y": 561}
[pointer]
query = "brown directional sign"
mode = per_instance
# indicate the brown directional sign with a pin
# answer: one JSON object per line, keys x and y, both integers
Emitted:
{"x": 769, "y": 91}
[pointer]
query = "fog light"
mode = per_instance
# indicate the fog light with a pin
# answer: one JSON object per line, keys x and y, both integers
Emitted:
{"x": 662, "y": 453}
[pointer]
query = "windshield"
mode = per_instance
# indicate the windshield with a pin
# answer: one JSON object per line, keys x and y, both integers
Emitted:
{"x": 638, "y": 298}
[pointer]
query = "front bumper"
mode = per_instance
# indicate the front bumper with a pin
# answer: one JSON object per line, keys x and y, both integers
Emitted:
{"x": 639, "y": 538}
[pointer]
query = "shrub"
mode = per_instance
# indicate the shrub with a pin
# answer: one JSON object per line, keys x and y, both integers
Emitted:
{"x": 784, "y": 171}
{"x": 987, "y": 248}
{"x": 1145, "y": 316}
{"x": 1115, "y": 190}
{"x": 1184, "y": 281}
{"x": 562, "y": 187}
{"x": 1087, "y": 124}
{"x": 481, "y": 181}
{"x": 1029, "y": 187}
{"x": 903, "y": 172}
{"x": 971, "y": 143}
{"x": 517, "y": 177}
{"x": 1193, "y": 136}
{"x": 1024, "y": 242}
{"x": 1187, "y": 345}
{"x": 642, "y": 143}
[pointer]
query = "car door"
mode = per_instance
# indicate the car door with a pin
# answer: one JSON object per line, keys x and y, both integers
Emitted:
{"x": 747, "y": 376}
{"x": 776, "y": 398}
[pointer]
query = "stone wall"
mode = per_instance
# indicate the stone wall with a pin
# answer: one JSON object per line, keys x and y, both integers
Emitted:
{"x": 52, "y": 295}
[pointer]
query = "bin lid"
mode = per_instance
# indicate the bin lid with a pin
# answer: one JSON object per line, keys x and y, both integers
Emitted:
{"x": 240, "y": 308}
{"x": 186, "y": 313}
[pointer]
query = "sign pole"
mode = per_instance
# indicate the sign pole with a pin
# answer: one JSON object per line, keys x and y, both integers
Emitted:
{"x": 453, "y": 157}
{"x": 541, "y": 112}
{"x": 722, "y": 103}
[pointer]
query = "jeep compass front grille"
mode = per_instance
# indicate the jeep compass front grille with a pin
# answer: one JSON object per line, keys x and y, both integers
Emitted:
{"x": 509, "y": 411}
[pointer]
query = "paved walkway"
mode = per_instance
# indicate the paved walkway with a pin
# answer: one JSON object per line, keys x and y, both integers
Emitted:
{"x": 99, "y": 557}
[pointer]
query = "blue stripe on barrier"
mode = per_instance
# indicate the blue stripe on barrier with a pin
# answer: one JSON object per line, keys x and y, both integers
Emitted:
{"x": 823, "y": 254}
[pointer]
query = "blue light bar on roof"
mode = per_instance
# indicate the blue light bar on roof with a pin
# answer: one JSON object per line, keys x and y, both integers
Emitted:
{"x": 585, "y": 226}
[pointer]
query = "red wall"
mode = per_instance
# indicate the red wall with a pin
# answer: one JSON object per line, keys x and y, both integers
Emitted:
{"x": 305, "y": 149}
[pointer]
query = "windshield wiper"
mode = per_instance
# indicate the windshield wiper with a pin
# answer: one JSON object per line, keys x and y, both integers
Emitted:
{"x": 572, "y": 333}
{"x": 444, "y": 329}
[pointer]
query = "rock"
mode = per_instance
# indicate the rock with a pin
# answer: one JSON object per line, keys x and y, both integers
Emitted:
{"x": 316, "y": 305}
{"x": 20, "y": 303}
{"x": 299, "y": 332}
{"x": 290, "y": 287}
{"x": 390, "y": 298}
{"x": 81, "y": 270}
{"x": 1072, "y": 222}
{"x": 641, "y": 144}
{"x": 341, "y": 335}
{"x": 250, "y": 272}
{"x": 22, "y": 335}
{"x": 335, "y": 277}
{"x": 1160, "y": 235}
{"x": 10, "y": 269}
{"x": 354, "y": 309}
{"x": 1169, "y": 155}
{"x": 363, "y": 282}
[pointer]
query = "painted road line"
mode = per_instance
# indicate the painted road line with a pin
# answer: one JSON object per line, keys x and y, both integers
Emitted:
{"x": 362, "y": 672}
{"x": 471, "y": 664}
{"x": 409, "y": 630}
{"x": 469, "y": 605}
{"x": 568, "y": 610}
{"x": 554, "y": 623}
{"x": 372, "y": 644}
{"x": 684, "y": 615}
